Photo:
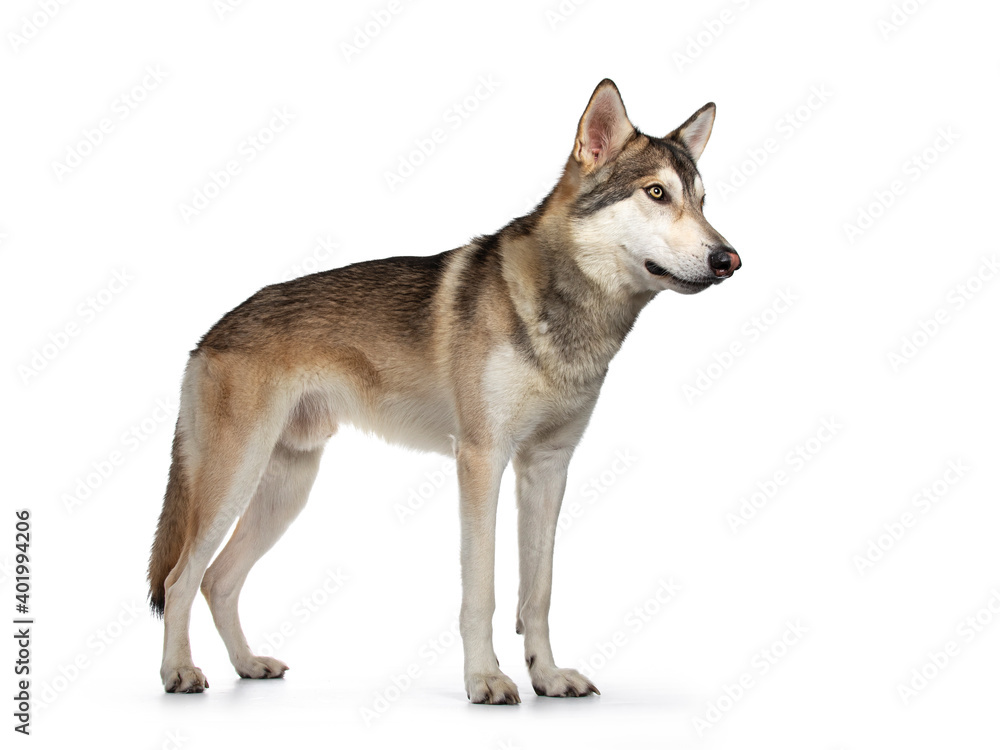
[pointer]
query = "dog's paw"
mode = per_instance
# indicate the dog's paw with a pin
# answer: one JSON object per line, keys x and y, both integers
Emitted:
{"x": 183, "y": 679}
{"x": 561, "y": 683}
{"x": 491, "y": 688}
{"x": 261, "y": 668}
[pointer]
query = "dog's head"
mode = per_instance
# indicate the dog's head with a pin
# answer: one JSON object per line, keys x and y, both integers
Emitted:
{"x": 635, "y": 202}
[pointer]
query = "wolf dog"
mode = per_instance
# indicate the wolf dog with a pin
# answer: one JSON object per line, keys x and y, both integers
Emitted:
{"x": 493, "y": 353}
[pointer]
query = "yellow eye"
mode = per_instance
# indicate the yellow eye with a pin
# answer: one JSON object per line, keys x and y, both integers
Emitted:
{"x": 656, "y": 192}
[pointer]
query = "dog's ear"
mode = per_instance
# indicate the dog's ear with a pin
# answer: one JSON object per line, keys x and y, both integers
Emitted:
{"x": 604, "y": 127}
{"x": 693, "y": 134}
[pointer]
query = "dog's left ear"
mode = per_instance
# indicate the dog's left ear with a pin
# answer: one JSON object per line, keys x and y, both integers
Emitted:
{"x": 604, "y": 128}
{"x": 694, "y": 133}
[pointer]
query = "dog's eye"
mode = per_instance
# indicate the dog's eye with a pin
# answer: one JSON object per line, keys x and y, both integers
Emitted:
{"x": 703, "y": 201}
{"x": 657, "y": 193}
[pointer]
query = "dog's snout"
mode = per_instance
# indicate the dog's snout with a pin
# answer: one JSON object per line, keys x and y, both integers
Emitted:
{"x": 723, "y": 261}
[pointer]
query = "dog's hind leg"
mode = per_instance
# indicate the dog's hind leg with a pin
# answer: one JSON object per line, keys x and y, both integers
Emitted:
{"x": 230, "y": 422}
{"x": 223, "y": 507}
{"x": 281, "y": 494}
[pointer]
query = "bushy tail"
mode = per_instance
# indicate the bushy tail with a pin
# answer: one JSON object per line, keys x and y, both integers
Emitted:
{"x": 171, "y": 531}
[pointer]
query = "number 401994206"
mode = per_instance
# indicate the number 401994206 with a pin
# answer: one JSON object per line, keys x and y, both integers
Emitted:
{"x": 22, "y": 571}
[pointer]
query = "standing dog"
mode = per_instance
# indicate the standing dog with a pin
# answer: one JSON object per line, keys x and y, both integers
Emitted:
{"x": 493, "y": 352}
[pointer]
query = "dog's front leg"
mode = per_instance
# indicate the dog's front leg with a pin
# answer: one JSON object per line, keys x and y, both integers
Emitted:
{"x": 541, "y": 482}
{"x": 479, "y": 472}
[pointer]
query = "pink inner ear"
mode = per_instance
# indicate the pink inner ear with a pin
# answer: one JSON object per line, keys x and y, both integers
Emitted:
{"x": 598, "y": 135}
{"x": 697, "y": 132}
{"x": 599, "y": 129}
{"x": 695, "y": 135}
{"x": 605, "y": 127}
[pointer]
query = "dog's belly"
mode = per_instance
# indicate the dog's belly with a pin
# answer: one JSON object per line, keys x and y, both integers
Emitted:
{"x": 515, "y": 404}
{"x": 423, "y": 419}
{"x": 425, "y": 422}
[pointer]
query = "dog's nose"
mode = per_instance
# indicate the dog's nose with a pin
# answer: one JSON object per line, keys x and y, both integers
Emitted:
{"x": 723, "y": 261}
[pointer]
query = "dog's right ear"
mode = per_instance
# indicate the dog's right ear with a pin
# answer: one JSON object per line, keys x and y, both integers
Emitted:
{"x": 604, "y": 128}
{"x": 694, "y": 133}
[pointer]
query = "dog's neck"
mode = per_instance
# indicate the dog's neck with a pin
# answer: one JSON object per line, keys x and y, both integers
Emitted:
{"x": 576, "y": 324}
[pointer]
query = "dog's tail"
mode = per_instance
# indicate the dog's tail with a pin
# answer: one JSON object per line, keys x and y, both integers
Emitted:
{"x": 172, "y": 529}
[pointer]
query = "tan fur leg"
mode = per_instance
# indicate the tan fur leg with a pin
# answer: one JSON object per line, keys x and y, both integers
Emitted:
{"x": 479, "y": 472}
{"x": 238, "y": 484}
{"x": 280, "y": 496}
{"x": 541, "y": 483}
{"x": 231, "y": 422}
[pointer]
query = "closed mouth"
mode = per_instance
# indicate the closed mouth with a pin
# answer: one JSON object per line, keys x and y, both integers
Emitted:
{"x": 663, "y": 273}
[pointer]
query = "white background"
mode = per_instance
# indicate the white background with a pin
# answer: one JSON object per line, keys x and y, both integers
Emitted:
{"x": 887, "y": 93}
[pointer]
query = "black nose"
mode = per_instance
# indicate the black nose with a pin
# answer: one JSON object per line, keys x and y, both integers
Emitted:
{"x": 723, "y": 261}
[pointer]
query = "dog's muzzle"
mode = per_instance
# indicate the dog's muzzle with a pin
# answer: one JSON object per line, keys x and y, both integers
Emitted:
{"x": 723, "y": 261}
